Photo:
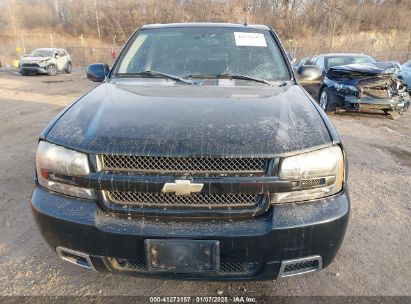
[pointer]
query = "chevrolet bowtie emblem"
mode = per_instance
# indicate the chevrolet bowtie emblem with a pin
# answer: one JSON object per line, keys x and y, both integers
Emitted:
{"x": 182, "y": 187}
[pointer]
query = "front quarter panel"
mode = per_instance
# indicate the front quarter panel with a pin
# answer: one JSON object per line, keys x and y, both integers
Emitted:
{"x": 50, "y": 125}
{"x": 336, "y": 140}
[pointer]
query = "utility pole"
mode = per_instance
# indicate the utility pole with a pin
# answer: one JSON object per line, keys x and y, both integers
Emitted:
{"x": 12, "y": 11}
{"x": 98, "y": 24}
{"x": 11, "y": 7}
{"x": 24, "y": 43}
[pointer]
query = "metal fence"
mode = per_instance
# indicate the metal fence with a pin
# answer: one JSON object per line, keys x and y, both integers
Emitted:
{"x": 379, "y": 55}
{"x": 82, "y": 56}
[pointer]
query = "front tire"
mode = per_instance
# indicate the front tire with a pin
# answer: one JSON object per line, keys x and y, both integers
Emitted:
{"x": 325, "y": 101}
{"x": 52, "y": 70}
{"x": 68, "y": 68}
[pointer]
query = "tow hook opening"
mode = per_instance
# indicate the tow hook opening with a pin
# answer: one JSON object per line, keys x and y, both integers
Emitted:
{"x": 75, "y": 257}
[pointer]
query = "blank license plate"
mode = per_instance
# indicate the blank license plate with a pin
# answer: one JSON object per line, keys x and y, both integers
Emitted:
{"x": 182, "y": 256}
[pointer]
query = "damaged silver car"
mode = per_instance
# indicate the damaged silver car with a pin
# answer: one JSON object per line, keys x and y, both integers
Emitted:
{"x": 355, "y": 83}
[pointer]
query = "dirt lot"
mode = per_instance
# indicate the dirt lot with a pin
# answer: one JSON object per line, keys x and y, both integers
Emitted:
{"x": 374, "y": 259}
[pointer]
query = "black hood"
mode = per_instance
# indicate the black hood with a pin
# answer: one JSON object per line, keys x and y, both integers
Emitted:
{"x": 129, "y": 117}
{"x": 362, "y": 69}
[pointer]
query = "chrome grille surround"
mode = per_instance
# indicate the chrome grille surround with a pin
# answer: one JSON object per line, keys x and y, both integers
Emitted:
{"x": 152, "y": 200}
{"x": 182, "y": 165}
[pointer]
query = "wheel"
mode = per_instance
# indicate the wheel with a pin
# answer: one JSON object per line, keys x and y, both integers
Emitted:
{"x": 325, "y": 102}
{"x": 23, "y": 73}
{"x": 68, "y": 68}
{"x": 52, "y": 70}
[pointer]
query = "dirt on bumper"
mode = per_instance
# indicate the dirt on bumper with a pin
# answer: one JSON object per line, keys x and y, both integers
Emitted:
{"x": 260, "y": 244}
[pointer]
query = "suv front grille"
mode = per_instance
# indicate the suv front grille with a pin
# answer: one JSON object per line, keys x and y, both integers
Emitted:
{"x": 183, "y": 165}
{"x": 30, "y": 65}
{"x": 153, "y": 200}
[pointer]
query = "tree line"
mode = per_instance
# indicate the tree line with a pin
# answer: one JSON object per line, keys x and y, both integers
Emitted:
{"x": 290, "y": 18}
{"x": 91, "y": 29}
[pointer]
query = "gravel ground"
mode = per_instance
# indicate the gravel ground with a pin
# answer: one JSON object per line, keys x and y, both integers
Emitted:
{"x": 374, "y": 259}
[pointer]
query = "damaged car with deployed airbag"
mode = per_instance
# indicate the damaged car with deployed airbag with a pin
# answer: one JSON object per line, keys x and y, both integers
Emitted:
{"x": 199, "y": 156}
{"x": 355, "y": 83}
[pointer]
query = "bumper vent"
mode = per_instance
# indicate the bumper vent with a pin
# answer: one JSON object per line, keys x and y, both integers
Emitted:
{"x": 225, "y": 268}
{"x": 237, "y": 268}
{"x": 183, "y": 165}
{"x": 308, "y": 183}
{"x": 75, "y": 257}
{"x": 130, "y": 265}
{"x": 299, "y": 266}
{"x": 153, "y": 200}
{"x": 232, "y": 267}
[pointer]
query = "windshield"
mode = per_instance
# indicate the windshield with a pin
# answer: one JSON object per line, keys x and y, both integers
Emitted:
{"x": 41, "y": 53}
{"x": 204, "y": 52}
{"x": 344, "y": 60}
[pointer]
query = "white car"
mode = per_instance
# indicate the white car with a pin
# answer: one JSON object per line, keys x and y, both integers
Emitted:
{"x": 46, "y": 61}
{"x": 405, "y": 74}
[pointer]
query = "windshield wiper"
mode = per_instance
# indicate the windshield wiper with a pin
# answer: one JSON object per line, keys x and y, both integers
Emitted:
{"x": 228, "y": 75}
{"x": 243, "y": 77}
{"x": 156, "y": 74}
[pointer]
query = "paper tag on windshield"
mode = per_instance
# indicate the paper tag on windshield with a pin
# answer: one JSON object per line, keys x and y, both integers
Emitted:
{"x": 249, "y": 39}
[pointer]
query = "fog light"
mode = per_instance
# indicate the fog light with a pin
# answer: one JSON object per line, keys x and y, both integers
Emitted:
{"x": 250, "y": 266}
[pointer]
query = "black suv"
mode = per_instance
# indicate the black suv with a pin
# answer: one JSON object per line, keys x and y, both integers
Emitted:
{"x": 198, "y": 157}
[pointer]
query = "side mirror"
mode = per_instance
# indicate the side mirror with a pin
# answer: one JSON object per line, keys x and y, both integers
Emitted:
{"x": 97, "y": 72}
{"x": 310, "y": 73}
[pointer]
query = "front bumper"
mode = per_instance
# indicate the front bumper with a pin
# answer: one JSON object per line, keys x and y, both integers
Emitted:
{"x": 389, "y": 104}
{"x": 285, "y": 232}
{"x": 399, "y": 103}
{"x": 33, "y": 69}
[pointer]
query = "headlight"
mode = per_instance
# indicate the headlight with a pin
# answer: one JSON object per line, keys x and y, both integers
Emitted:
{"x": 57, "y": 166}
{"x": 313, "y": 175}
{"x": 344, "y": 87}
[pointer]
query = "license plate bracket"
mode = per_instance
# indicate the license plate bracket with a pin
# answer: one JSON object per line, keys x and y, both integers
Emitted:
{"x": 182, "y": 256}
